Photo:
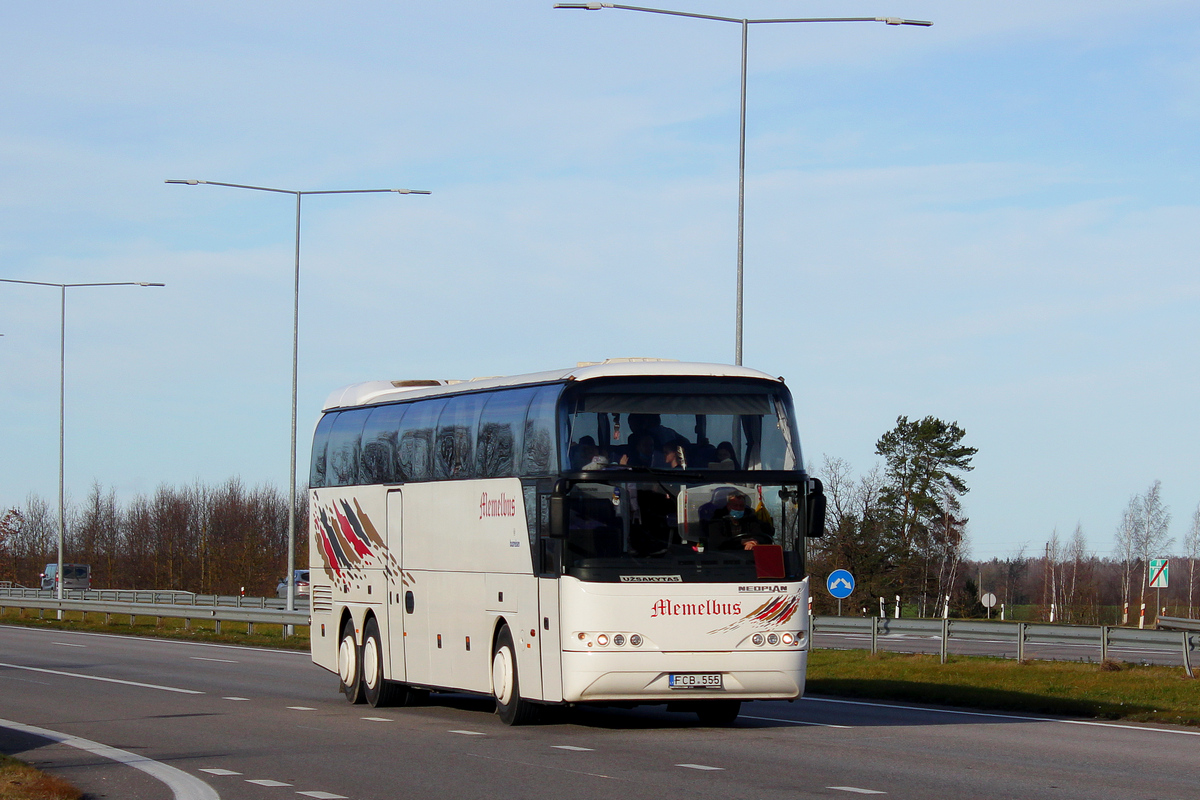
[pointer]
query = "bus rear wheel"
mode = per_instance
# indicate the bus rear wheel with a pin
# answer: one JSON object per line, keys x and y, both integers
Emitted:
{"x": 377, "y": 691}
{"x": 349, "y": 665}
{"x": 718, "y": 713}
{"x": 510, "y": 706}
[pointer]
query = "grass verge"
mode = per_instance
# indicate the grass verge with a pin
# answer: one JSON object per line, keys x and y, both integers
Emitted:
{"x": 1129, "y": 692}
{"x": 165, "y": 628}
{"x": 19, "y": 781}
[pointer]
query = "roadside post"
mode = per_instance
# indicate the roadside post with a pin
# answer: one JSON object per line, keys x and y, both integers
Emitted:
{"x": 840, "y": 584}
{"x": 1158, "y": 580}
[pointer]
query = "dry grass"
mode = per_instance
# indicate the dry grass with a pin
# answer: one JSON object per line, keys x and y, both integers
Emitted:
{"x": 1131, "y": 692}
{"x": 19, "y": 781}
{"x": 166, "y": 628}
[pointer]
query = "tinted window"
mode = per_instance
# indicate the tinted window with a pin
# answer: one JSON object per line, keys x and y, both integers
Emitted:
{"x": 379, "y": 440}
{"x": 454, "y": 456}
{"x": 501, "y": 433}
{"x": 316, "y": 473}
{"x": 540, "y": 433}
{"x": 342, "y": 454}
{"x": 415, "y": 456}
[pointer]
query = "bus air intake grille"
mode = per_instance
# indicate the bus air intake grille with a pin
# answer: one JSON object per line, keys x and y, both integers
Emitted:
{"x": 322, "y": 599}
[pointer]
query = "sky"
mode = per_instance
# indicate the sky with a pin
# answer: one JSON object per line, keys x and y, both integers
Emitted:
{"x": 992, "y": 220}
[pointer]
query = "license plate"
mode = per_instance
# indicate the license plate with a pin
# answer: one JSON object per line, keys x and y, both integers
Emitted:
{"x": 694, "y": 680}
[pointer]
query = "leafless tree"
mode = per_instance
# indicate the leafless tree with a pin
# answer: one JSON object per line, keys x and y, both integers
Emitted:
{"x": 1191, "y": 551}
{"x": 1127, "y": 539}
{"x": 1153, "y": 541}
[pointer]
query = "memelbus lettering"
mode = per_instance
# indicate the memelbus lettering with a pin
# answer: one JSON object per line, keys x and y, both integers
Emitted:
{"x": 709, "y": 608}
{"x": 502, "y": 506}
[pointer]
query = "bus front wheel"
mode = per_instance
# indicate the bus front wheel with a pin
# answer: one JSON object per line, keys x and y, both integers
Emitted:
{"x": 349, "y": 665}
{"x": 512, "y": 709}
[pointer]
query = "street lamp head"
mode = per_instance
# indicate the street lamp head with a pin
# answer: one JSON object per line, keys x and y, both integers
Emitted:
{"x": 144, "y": 283}
{"x": 410, "y": 191}
{"x": 899, "y": 21}
{"x": 189, "y": 183}
{"x": 584, "y": 6}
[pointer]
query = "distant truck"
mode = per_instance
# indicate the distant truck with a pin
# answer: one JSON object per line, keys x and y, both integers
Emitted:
{"x": 75, "y": 576}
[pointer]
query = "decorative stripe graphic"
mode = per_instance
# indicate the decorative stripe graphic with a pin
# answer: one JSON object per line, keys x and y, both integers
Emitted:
{"x": 345, "y": 538}
{"x": 777, "y": 610}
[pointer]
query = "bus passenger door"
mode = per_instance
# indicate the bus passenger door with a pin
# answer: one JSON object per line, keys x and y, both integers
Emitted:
{"x": 397, "y": 586}
{"x": 550, "y": 638}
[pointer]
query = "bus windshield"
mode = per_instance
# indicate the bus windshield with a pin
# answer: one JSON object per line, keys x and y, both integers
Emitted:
{"x": 643, "y": 530}
{"x": 693, "y": 425}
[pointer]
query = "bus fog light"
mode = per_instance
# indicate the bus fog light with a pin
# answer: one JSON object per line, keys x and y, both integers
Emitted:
{"x": 788, "y": 638}
{"x": 635, "y": 640}
{"x": 602, "y": 639}
{"x": 757, "y": 639}
{"x": 618, "y": 640}
{"x": 772, "y": 638}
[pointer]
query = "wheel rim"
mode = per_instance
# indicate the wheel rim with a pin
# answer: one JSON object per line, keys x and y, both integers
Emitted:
{"x": 346, "y": 661}
{"x": 371, "y": 662}
{"x": 502, "y": 675}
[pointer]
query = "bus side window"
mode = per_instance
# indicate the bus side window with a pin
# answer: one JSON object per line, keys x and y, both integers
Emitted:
{"x": 501, "y": 434}
{"x": 415, "y": 456}
{"x": 378, "y": 453}
{"x": 316, "y": 473}
{"x": 343, "y": 451}
{"x": 453, "y": 455}
{"x": 540, "y": 446}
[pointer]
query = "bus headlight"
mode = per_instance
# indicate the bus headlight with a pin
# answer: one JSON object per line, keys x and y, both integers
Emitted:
{"x": 619, "y": 640}
{"x": 772, "y": 638}
{"x": 788, "y": 639}
{"x": 602, "y": 639}
{"x": 757, "y": 639}
{"x": 635, "y": 640}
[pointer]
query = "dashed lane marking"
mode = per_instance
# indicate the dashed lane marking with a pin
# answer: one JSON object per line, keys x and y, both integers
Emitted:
{"x": 469, "y": 733}
{"x": 301, "y": 708}
{"x": 377, "y": 719}
{"x": 324, "y": 795}
{"x": 182, "y": 785}
{"x": 701, "y": 766}
{"x": 795, "y": 721}
{"x": 104, "y": 680}
{"x": 573, "y": 748}
{"x": 235, "y": 698}
{"x": 854, "y": 789}
{"x": 68, "y": 644}
{"x": 222, "y": 660}
{"x": 267, "y": 782}
{"x": 219, "y": 771}
{"x": 1002, "y": 716}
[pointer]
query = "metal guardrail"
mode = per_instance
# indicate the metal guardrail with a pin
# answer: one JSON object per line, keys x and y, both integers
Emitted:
{"x": 1177, "y": 624}
{"x": 161, "y": 605}
{"x": 1019, "y": 634}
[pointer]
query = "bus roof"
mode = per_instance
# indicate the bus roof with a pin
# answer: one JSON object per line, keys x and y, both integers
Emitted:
{"x": 371, "y": 392}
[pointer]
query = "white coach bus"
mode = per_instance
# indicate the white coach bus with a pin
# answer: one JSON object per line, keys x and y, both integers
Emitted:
{"x": 625, "y": 532}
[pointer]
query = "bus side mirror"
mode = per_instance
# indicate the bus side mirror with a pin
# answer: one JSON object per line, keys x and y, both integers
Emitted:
{"x": 816, "y": 509}
{"x": 558, "y": 512}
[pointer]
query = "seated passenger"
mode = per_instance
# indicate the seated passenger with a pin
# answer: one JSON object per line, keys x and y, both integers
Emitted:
{"x": 583, "y": 453}
{"x": 725, "y": 458}
{"x": 735, "y": 527}
{"x": 641, "y": 453}
{"x": 671, "y": 456}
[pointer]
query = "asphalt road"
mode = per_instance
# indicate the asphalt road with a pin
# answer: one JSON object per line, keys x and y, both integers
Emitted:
{"x": 267, "y": 725}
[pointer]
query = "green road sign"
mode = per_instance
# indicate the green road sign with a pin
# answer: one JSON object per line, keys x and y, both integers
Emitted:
{"x": 1158, "y": 573}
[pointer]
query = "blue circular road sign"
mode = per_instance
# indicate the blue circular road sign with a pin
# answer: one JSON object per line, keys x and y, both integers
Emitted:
{"x": 840, "y": 583}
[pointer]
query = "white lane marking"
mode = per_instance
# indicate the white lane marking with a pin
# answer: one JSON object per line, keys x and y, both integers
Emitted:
{"x": 301, "y": 708}
{"x": 1003, "y": 716}
{"x": 181, "y": 784}
{"x": 324, "y": 795}
{"x": 469, "y": 733}
{"x": 267, "y": 782}
{"x": 377, "y": 719}
{"x": 105, "y": 680}
{"x": 573, "y": 748}
{"x": 796, "y": 722}
{"x": 218, "y": 771}
{"x": 235, "y": 698}
{"x": 156, "y": 640}
{"x": 700, "y": 766}
{"x": 222, "y": 660}
{"x": 854, "y": 789}
{"x": 66, "y": 644}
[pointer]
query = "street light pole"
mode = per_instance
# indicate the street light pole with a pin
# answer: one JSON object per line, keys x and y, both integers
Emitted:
{"x": 62, "y": 403}
{"x": 745, "y": 23}
{"x": 291, "y": 571}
